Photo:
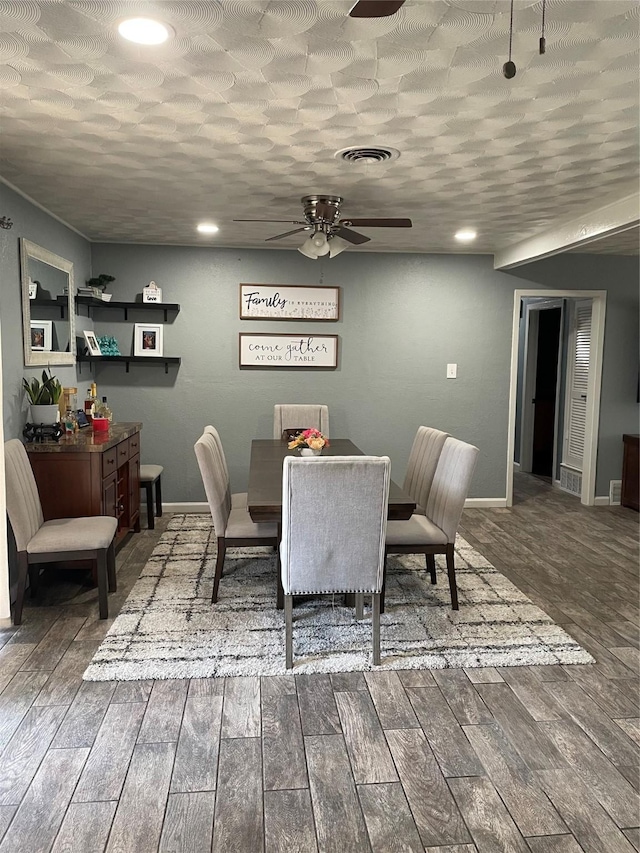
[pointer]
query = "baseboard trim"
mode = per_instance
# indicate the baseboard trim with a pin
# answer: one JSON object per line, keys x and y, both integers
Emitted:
{"x": 483, "y": 503}
{"x": 6, "y": 622}
{"x": 603, "y": 500}
{"x": 186, "y": 507}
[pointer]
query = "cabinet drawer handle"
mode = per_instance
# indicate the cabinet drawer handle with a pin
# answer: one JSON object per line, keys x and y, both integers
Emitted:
{"x": 111, "y": 461}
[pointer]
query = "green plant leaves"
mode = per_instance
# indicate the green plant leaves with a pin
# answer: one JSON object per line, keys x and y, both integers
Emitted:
{"x": 43, "y": 393}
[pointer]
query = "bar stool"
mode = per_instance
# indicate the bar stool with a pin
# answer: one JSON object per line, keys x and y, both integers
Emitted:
{"x": 150, "y": 474}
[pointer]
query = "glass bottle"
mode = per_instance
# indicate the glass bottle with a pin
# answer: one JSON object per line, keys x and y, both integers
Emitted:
{"x": 70, "y": 422}
{"x": 89, "y": 404}
{"x": 103, "y": 411}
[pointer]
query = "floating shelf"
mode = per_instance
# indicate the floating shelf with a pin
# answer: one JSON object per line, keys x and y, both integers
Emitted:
{"x": 129, "y": 359}
{"x": 60, "y": 302}
{"x": 91, "y": 302}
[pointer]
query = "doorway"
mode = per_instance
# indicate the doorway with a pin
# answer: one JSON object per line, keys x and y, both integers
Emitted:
{"x": 545, "y": 393}
{"x": 535, "y": 412}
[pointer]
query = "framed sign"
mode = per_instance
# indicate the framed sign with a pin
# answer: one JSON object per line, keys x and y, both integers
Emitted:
{"x": 289, "y": 302}
{"x": 92, "y": 343}
{"x": 147, "y": 339}
{"x": 310, "y": 351}
{"x": 41, "y": 335}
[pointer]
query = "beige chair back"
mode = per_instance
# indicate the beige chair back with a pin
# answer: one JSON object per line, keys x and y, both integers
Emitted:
{"x": 423, "y": 460}
{"x": 450, "y": 485}
{"x": 215, "y": 481}
{"x": 23, "y": 501}
{"x": 303, "y": 416}
{"x": 334, "y": 521}
{"x": 216, "y": 437}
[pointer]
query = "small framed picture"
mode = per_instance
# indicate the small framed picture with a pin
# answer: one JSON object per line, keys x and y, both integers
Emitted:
{"x": 92, "y": 343}
{"x": 147, "y": 339}
{"x": 41, "y": 335}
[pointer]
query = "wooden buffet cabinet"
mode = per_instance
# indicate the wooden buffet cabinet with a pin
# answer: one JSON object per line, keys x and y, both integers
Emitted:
{"x": 91, "y": 474}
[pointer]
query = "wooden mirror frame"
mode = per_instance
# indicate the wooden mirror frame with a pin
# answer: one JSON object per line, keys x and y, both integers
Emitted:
{"x": 33, "y": 358}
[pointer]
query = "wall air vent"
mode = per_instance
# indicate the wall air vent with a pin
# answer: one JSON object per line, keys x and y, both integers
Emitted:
{"x": 571, "y": 480}
{"x": 615, "y": 492}
{"x": 367, "y": 156}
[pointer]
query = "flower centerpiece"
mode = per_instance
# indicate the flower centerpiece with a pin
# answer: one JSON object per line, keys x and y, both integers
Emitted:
{"x": 310, "y": 442}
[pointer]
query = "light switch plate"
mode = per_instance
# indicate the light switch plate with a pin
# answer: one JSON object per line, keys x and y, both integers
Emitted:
{"x": 452, "y": 371}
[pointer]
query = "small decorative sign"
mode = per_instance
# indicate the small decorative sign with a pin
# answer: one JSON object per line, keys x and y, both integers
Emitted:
{"x": 33, "y": 289}
{"x": 289, "y": 302}
{"x": 153, "y": 293}
{"x": 310, "y": 351}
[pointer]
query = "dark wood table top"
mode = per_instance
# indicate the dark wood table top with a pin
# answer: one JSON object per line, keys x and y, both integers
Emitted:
{"x": 265, "y": 479}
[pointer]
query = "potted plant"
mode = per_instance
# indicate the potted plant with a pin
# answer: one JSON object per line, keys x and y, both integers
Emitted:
{"x": 43, "y": 397}
{"x": 100, "y": 281}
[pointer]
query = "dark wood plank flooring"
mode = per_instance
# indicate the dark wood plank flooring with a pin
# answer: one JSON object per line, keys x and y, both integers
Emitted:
{"x": 535, "y": 759}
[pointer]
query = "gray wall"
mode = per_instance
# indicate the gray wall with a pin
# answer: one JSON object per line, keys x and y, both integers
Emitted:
{"x": 404, "y": 318}
{"x": 35, "y": 225}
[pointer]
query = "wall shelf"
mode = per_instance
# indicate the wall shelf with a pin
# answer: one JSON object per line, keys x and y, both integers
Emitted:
{"x": 60, "y": 303}
{"x": 91, "y": 302}
{"x": 130, "y": 359}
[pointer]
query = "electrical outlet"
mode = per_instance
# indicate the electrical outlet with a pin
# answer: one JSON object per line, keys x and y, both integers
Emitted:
{"x": 452, "y": 371}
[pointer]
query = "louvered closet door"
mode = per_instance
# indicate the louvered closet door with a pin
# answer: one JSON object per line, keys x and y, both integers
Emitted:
{"x": 578, "y": 357}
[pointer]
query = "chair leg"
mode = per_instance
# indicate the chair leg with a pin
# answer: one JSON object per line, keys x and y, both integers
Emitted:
{"x": 431, "y": 567}
{"x": 23, "y": 571}
{"x": 111, "y": 567}
{"x": 158, "y": 498}
{"x": 359, "y": 605}
{"x": 375, "y": 627}
{"x": 384, "y": 583}
{"x": 451, "y": 571}
{"x": 219, "y": 563}
{"x": 34, "y": 579}
{"x": 103, "y": 603}
{"x": 148, "y": 487}
{"x": 288, "y": 630}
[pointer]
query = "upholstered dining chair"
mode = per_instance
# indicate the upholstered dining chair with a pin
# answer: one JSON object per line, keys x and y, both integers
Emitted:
{"x": 232, "y": 524}
{"x": 435, "y": 532}
{"x": 237, "y": 498}
{"x": 301, "y": 417}
{"x": 60, "y": 539}
{"x": 421, "y": 468}
{"x": 334, "y": 517}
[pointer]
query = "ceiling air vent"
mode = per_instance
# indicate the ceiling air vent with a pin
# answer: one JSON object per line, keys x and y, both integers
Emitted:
{"x": 367, "y": 156}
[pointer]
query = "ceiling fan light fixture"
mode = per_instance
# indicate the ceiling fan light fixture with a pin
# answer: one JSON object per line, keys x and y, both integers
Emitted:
{"x": 337, "y": 245}
{"x": 144, "y": 31}
{"x": 308, "y": 249}
{"x": 320, "y": 243}
{"x": 208, "y": 228}
{"x": 466, "y": 235}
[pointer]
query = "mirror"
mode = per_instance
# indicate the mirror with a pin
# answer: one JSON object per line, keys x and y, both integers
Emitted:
{"x": 48, "y": 310}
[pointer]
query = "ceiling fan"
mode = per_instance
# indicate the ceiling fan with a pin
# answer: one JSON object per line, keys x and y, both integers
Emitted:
{"x": 375, "y": 8}
{"x": 330, "y": 234}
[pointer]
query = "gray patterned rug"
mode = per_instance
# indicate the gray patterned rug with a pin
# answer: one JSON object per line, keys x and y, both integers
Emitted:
{"x": 168, "y": 627}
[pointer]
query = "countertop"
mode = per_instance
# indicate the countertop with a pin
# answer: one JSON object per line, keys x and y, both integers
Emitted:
{"x": 86, "y": 440}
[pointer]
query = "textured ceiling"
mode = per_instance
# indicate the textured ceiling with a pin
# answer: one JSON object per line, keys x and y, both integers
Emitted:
{"x": 241, "y": 112}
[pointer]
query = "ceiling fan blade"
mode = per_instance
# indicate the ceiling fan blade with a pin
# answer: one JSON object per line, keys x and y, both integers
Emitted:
{"x": 287, "y": 233}
{"x": 350, "y": 236}
{"x": 287, "y": 221}
{"x": 378, "y": 223}
{"x": 375, "y": 8}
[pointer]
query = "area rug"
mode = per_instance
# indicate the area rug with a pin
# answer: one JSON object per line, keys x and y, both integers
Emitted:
{"x": 168, "y": 627}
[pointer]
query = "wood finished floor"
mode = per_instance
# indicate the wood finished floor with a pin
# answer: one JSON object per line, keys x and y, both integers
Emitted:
{"x": 541, "y": 759}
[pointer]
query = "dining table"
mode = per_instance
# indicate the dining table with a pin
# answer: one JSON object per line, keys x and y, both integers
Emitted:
{"x": 264, "y": 497}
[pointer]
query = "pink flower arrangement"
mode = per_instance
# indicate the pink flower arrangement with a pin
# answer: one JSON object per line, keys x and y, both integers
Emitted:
{"x": 312, "y": 438}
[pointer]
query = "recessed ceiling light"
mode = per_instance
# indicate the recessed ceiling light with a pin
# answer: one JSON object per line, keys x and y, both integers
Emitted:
{"x": 466, "y": 235}
{"x": 208, "y": 228}
{"x": 144, "y": 31}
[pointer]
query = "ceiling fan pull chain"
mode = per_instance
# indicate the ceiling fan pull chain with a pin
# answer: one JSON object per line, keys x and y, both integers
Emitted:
{"x": 509, "y": 68}
{"x": 543, "y": 43}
